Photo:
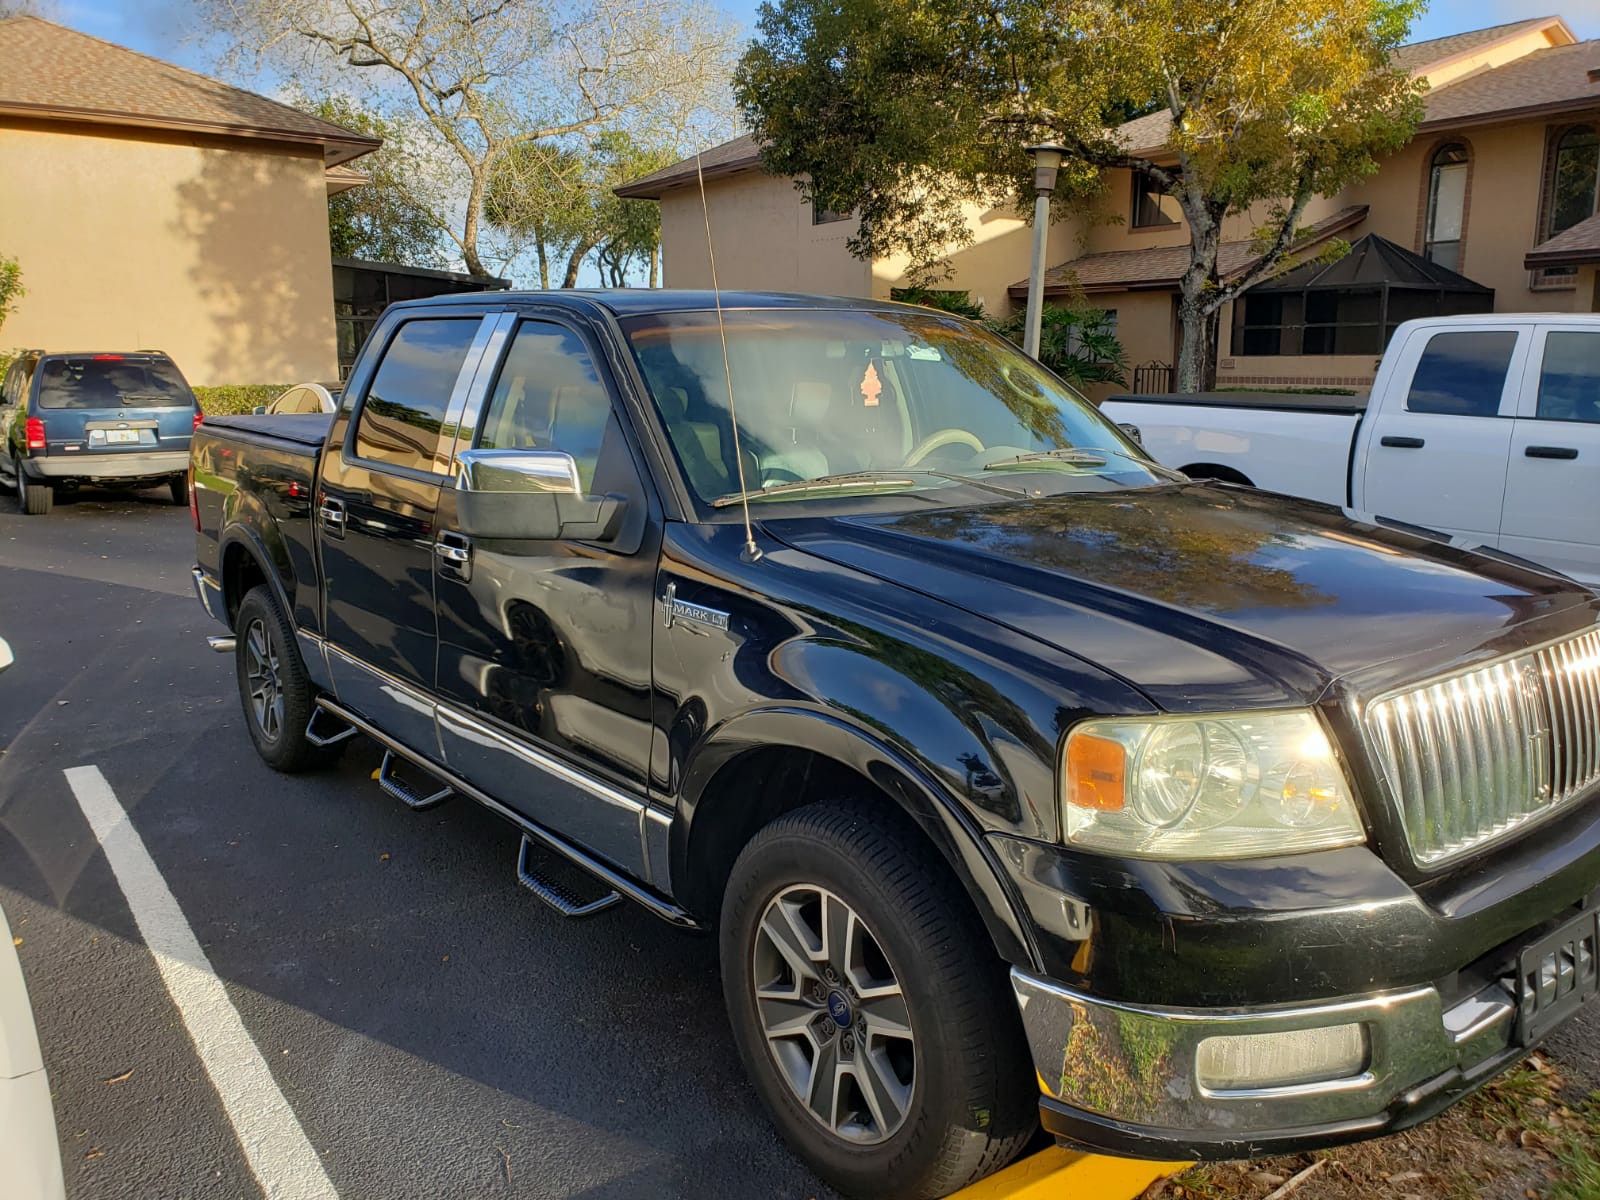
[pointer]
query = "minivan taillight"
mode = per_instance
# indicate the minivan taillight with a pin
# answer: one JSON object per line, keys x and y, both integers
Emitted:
{"x": 34, "y": 432}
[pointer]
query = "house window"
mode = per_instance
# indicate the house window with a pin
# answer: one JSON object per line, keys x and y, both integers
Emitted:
{"x": 826, "y": 216}
{"x": 1153, "y": 206}
{"x": 1447, "y": 206}
{"x": 1570, "y": 190}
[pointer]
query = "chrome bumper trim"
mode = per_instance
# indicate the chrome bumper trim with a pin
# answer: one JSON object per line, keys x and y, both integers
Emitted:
{"x": 209, "y": 594}
{"x": 1136, "y": 1065}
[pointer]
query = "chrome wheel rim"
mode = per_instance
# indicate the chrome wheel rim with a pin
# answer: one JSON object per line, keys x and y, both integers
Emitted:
{"x": 833, "y": 1015}
{"x": 262, "y": 679}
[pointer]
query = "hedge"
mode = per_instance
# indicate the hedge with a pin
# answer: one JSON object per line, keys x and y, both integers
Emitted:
{"x": 237, "y": 397}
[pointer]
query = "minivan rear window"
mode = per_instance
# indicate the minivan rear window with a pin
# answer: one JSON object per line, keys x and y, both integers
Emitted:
{"x": 112, "y": 381}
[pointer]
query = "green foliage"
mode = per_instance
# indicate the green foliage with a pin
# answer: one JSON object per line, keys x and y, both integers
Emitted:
{"x": 386, "y": 219}
{"x": 233, "y": 398}
{"x": 561, "y": 197}
{"x": 11, "y": 289}
{"x": 1078, "y": 344}
{"x": 905, "y": 110}
{"x": 947, "y": 300}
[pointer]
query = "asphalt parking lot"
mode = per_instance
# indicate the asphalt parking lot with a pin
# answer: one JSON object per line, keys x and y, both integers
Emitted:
{"x": 435, "y": 1030}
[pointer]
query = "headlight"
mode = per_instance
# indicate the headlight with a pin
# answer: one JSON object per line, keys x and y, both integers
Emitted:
{"x": 1229, "y": 786}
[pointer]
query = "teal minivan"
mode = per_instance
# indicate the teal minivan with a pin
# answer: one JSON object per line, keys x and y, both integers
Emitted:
{"x": 106, "y": 419}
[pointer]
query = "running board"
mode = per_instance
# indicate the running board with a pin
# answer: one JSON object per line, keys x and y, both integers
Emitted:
{"x": 339, "y": 732}
{"x": 615, "y": 880}
{"x": 552, "y": 893}
{"x": 389, "y": 780}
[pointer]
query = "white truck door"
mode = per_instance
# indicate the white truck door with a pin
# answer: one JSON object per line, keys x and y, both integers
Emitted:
{"x": 1552, "y": 508}
{"x": 1439, "y": 430}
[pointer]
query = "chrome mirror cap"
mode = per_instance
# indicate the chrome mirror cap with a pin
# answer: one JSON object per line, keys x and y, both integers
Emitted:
{"x": 518, "y": 471}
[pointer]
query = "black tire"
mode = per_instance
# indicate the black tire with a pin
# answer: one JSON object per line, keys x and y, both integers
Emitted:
{"x": 972, "y": 1093}
{"x": 34, "y": 499}
{"x": 278, "y": 724}
{"x": 179, "y": 487}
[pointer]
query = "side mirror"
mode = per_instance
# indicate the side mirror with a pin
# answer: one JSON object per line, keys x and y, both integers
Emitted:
{"x": 530, "y": 495}
{"x": 259, "y": 410}
{"x": 1133, "y": 432}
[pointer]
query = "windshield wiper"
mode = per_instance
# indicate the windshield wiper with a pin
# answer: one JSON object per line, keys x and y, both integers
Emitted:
{"x": 870, "y": 481}
{"x": 1068, "y": 456}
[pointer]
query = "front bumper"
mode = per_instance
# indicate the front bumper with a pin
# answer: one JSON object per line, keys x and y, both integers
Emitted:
{"x": 154, "y": 465}
{"x": 1123, "y": 1079}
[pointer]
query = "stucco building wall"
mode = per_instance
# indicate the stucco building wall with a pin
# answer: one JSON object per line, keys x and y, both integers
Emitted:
{"x": 214, "y": 251}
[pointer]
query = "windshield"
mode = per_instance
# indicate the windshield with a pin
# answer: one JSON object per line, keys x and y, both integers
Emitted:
{"x": 841, "y": 402}
{"x": 112, "y": 381}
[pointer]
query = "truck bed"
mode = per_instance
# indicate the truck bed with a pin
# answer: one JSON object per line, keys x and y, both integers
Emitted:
{"x": 303, "y": 429}
{"x": 1279, "y": 401}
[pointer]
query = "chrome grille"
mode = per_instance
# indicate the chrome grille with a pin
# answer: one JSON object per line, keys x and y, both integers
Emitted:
{"x": 1471, "y": 757}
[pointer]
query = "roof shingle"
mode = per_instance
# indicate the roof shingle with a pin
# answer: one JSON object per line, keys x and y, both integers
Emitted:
{"x": 737, "y": 155}
{"x": 52, "y": 71}
{"x": 1158, "y": 267}
{"x": 1573, "y": 247}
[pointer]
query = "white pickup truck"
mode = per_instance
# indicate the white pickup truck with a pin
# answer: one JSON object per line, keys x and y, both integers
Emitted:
{"x": 1483, "y": 427}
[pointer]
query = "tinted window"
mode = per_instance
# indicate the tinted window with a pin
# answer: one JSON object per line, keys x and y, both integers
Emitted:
{"x": 1462, "y": 374}
{"x": 112, "y": 381}
{"x": 549, "y": 397}
{"x": 402, "y": 418}
{"x": 1569, "y": 379}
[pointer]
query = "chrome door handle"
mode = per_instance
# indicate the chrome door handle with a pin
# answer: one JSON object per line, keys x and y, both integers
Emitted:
{"x": 332, "y": 514}
{"x": 452, "y": 553}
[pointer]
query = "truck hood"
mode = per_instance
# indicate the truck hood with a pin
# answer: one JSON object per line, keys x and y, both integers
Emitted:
{"x": 1210, "y": 597}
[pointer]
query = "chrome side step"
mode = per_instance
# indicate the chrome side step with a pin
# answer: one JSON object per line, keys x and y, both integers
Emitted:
{"x": 552, "y": 893}
{"x": 337, "y": 732}
{"x": 389, "y": 780}
{"x": 613, "y": 879}
{"x": 222, "y": 643}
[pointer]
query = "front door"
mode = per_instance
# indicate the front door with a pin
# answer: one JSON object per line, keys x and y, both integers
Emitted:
{"x": 1552, "y": 510}
{"x": 544, "y": 646}
{"x": 376, "y": 510}
{"x": 1436, "y": 451}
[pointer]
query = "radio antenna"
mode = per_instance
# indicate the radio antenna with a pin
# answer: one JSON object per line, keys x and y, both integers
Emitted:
{"x": 751, "y": 551}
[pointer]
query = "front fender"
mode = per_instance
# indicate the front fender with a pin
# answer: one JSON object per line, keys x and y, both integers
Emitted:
{"x": 913, "y": 788}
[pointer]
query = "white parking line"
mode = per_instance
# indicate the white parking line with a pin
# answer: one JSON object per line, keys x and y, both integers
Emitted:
{"x": 275, "y": 1145}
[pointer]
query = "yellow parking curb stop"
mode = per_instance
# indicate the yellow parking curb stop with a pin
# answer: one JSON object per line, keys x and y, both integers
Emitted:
{"x": 1057, "y": 1174}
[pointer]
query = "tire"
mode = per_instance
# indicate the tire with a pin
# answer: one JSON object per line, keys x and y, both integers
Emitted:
{"x": 179, "y": 487}
{"x": 34, "y": 499}
{"x": 274, "y": 690}
{"x": 963, "y": 1082}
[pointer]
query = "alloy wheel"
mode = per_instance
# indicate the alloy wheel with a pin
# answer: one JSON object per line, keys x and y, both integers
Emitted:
{"x": 265, "y": 682}
{"x": 833, "y": 1014}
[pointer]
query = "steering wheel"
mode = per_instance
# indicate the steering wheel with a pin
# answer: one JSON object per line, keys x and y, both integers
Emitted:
{"x": 937, "y": 441}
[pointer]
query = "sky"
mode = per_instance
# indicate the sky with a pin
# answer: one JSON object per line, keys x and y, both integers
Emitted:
{"x": 166, "y": 28}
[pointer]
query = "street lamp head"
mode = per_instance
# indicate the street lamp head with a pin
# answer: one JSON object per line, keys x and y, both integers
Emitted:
{"x": 1046, "y": 162}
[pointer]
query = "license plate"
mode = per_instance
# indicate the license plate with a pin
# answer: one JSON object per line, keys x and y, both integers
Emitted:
{"x": 1556, "y": 975}
{"x": 121, "y": 437}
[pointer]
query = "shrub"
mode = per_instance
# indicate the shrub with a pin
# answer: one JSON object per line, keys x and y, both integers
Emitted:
{"x": 231, "y": 398}
{"x": 1078, "y": 344}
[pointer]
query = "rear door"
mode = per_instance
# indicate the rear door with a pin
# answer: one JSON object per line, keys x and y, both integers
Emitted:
{"x": 1552, "y": 505}
{"x": 1440, "y": 436}
{"x": 375, "y": 512}
{"x": 544, "y": 646}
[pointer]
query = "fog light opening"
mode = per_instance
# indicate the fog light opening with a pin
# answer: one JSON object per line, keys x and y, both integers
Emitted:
{"x": 1296, "y": 1057}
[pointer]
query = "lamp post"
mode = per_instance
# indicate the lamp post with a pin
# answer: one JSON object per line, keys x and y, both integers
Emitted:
{"x": 1046, "y": 162}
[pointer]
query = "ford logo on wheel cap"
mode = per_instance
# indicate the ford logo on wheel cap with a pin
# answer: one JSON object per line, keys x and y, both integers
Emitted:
{"x": 839, "y": 1009}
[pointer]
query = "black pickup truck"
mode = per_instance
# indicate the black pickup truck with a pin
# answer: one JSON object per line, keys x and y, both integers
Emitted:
{"x": 1021, "y": 778}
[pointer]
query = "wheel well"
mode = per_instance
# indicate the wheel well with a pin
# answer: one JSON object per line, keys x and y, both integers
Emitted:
{"x": 1217, "y": 472}
{"x": 756, "y": 788}
{"x": 240, "y": 573}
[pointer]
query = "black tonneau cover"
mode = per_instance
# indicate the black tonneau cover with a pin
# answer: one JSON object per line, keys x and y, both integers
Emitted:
{"x": 304, "y": 429}
{"x": 1285, "y": 401}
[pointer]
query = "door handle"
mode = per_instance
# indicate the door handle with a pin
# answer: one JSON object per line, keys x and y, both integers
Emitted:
{"x": 454, "y": 552}
{"x": 1551, "y": 452}
{"x": 332, "y": 513}
{"x": 1402, "y": 443}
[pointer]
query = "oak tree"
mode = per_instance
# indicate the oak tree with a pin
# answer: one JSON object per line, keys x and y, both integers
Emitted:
{"x": 902, "y": 110}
